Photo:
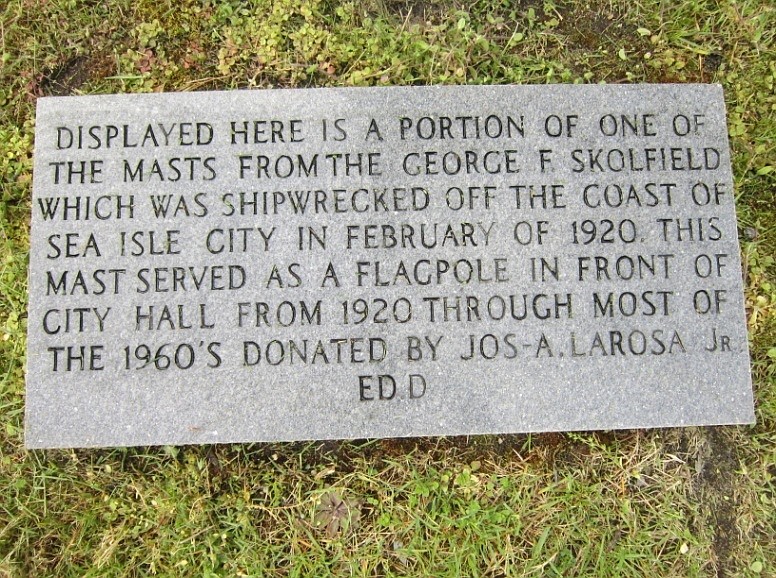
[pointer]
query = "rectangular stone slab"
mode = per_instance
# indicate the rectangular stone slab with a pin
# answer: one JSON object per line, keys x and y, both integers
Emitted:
{"x": 377, "y": 262}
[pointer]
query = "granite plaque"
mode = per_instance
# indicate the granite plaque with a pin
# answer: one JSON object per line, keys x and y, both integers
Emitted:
{"x": 377, "y": 262}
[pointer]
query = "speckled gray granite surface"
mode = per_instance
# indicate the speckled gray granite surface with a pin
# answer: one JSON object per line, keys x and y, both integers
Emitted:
{"x": 349, "y": 263}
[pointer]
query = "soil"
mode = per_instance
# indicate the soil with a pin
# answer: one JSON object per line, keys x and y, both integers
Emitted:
{"x": 716, "y": 487}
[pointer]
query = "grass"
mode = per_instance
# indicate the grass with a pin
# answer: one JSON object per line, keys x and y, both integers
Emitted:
{"x": 670, "y": 503}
